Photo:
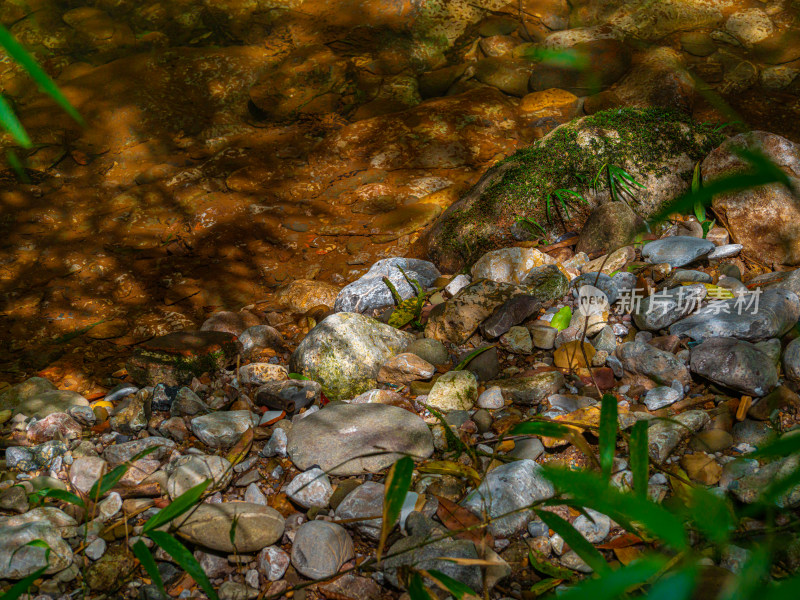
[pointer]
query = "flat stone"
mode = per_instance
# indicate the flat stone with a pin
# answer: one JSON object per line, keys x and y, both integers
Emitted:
{"x": 664, "y": 436}
{"x": 662, "y": 309}
{"x": 345, "y": 352}
{"x": 18, "y": 560}
{"x": 661, "y": 397}
{"x": 193, "y": 470}
{"x": 405, "y": 368}
{"x": 676, "y": 250}
{"x": 85, "y": 471}
{"x": 320, "y": 549}
{"x": 310, "y": 488}
{"x": 175, "y": 358}
{"x": 594, "y": 529}
{"x": 54, "y": 425}
{"x": 530, "y": 390}
{"x": 510, "y": 313}
{"x": 643, "y": 359}
{"x": 507, "y": 488}
{"x": 36, "y": 399}
{"x": 261, "y": 373}
{"x": 120, "y": 453}
{"x": 735, "y": 364}
{"x": 209, "y": 525}
{"x": 725, "y": 251}
{"x": 370, "y": 291}
{"x": 349, "y": 439}
{"x": 364, "y": 502}
{"x": 223, "y": 429}
{"x": 455, "y": 390}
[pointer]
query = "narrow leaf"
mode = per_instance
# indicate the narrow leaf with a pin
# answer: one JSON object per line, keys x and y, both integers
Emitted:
{"x": 675, "y": 586}
{"x": 456, "y": 588}
{"x": 417, "y": 589}
{"x": 142, "y": 553}
{"x": 711, "y": 514}
{"x": 544, "y": 586}
{"x": 177, "y": 507}
{"x": 592, "y": 491}
{"x": 62, "y": 495}
{"x": 16, "y": 165}
{"x": 468, "y": 358}
{"x": 541, "y": 564}
{"x": 185, "y": 560}
{"x": 397, "y": 484}
{"x": 543, "y": 428}
{"x": 786, "y": 590}
{"x": 19, "y": 588}
{"x": 608, "y": 433}
{"x": 639, "y": 458}
{"x": 21, "y": 56}
{"x": 10, "y": 122}
{"x": 448, "y": 467}
{"x": 241, "y": 448}
{"x": 576, "y": 541}
{"x": 614, "y": 583}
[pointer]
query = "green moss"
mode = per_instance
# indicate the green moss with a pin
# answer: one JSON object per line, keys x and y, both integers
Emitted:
{"x": 639, "y": 137}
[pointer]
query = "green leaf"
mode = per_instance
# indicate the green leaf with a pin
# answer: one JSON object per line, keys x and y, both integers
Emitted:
{"x": 675, "y": 586}
{"x": 544, "y": 586}
{"x": 398, "y": 299}
{"x": 417, "y": 589}
{"x": 576, "y": 541}
{"x": 468, "y": 358}
{"x": 57, "y": 494}
{"x": 397, "y": 484}
{"x": 9, "y": 122}
{"x": 785, "y": 590}
{"x": 561, "y": 319}
{"x": 613, "y": 584}
{"x": 608, "y": 433}
{"x": 544, "y": 566}
{"x": 299, "y": 376}
{"x": 185, "y": 560}
{"x": 177, "y": 507}
{"x": 142, "y": 552}
{"x": 455, "y": 587}
{"x": 544, "y": 428}
{"x": 16, "y": 166}
{"x": 106, "y": 482}
{"x": 637, "y": 446}
{"x": 29, "y": 64}
{"x": 21, "y": 587}
{"x": 592, "y": 491}
{"x": 777, "y": 489}
{"x": 712, "y": 514}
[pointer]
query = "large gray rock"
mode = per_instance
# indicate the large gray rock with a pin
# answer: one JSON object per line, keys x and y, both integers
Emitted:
{"x": 776, "y": 312}
{"x": 764, "y": 219}
{"x": 660, "y": 366}
{"x": 370, "y": 291}
{"x": 209, "y": 525}
{"x": 345, "y": 352}
{"x": 37, "y": 397}
{"x": 120, "y": 453}
{"x": 735, "y": 364}
{"x": 18, "y": 559}
{"x": 349, "y": 439}
{"x": 791, "y": 360}
{"x": 193, "y": 470}
{"x": 320, "y": 549}
{"x": 659, "y": 311}
{"x": 507, "y": 488}
{"x": 676, "y": 250}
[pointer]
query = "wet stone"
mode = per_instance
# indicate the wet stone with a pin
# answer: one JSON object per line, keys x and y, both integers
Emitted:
{"x": 175, "y": 358}
{"x": 677, "y": 250}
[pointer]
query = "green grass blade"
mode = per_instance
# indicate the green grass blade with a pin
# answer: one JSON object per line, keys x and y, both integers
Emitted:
{"x": 10, "y": 122}
{"x": 177, "y": 507}
{"x": 185, "y": 560}
{"x": 16, "y": 165}
{"x": 468, "y": 358}
{"x": 417, "y": 589}
{"x": 57, "y": 494}
{"x": 608, "y": 433}
{"x": 675, "y": 586}
{"x": 142, "y": 552}
{"x": 613, "y": 584}
{"x": 576, "y": 541}
{"x": 711, "y": 514}
{"x": 455, "y": 587}
{"x": 22, "y": 585}
{"x": 20, "y": 55}
{"x": 783, "y": 446}
{"x": 590, "y": 490}
{"x": 397, "y": 484}
{"x": 544, "y": 428}
{"x": 639, "y": 458}
{"x": 542, "y": 565}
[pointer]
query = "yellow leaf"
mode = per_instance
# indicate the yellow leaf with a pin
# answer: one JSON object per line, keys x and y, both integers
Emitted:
{"x": 241, "y": 449}
{"x": 447, "y": 467}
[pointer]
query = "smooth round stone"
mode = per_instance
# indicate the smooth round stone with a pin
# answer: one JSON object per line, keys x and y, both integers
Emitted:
{"x": 687, "y": 276}
{"x": 491, "y": 399}
{"x": 223, "y": 429}
{"x": 666, "y": 435}
{"x": 791, "y": 360}
{"x": 350, "y": 439}
{"x": 517, "y": 340}
{"x": 725, "y": 251}
{"x": 755, "y": 433}
{"x": 662, "y": 309}
{"x": 735, "y": 364}
{"x": 644, "y": 359}
{"x": 530, "y": 448}
{"x": 85, "y": 471}
{"x": 677, "y": 250}
{"x": 730, "y": 270}
{"x": 432, "y": 351}
{"x": 310, "y": 488}
{"x": 596, "y": 529}
{"x": 193, "y": 470}
{"x": 483, "y": 420}
{"x": 209, "y": 525}
{"x": 320, "y": 549}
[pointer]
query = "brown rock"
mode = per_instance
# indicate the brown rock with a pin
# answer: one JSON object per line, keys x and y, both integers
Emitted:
{"x": 781, "y": 398}
{"x": 54, "y": 426}
{"x": 302, "y": 295}
{"x": 702, "y": 468}
{"x": 609, "y": 226}
{"x": 230, "y": 322}
{"x": 599, "y": 63}
{"x": 658, "y": 78}
{"x": 405, "y": 368}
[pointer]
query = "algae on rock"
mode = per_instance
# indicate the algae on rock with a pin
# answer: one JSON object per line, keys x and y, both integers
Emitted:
{"x": 658, "y": 147}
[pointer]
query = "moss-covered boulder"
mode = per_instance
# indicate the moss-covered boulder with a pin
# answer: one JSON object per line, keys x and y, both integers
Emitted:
{"x": 658, "y": 147}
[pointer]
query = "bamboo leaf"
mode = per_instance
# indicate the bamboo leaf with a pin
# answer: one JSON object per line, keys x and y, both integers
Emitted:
{"x": 20, "y": 55}
{"x": 544, "y": 586}
{"x": 542, "y": 565}
{"x": 10, "y": 122}
{"x": 24, "y": 584}
{"x": 417, "y": 589}
{"x": 613, "y": 584}
{"x": 608, "y": 433}
{"x": 468, "y": 358}
{"x": 448, "y": 467}
{"x": 57, "y": 494}
{"x": 185, "y": 560}
{"x": 675, "y": 586}
{"x": 456, "y": 588}
{"x": 576, "y": 541}
{"x": 241, "y": 448}
{"x": 397, "y": 484}
{"x": 142, "y": 553}
{"x": 177, "y": 507}
{"x": 784, "y": 446}
{"x": 639, "y": 458}
{"x": 543, "y": 428}
{"x": 711, "y": 514}
{"x": 592, "y": 491}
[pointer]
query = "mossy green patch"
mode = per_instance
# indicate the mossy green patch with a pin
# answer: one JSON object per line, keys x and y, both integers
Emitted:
{"x": 640, "y": 140}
